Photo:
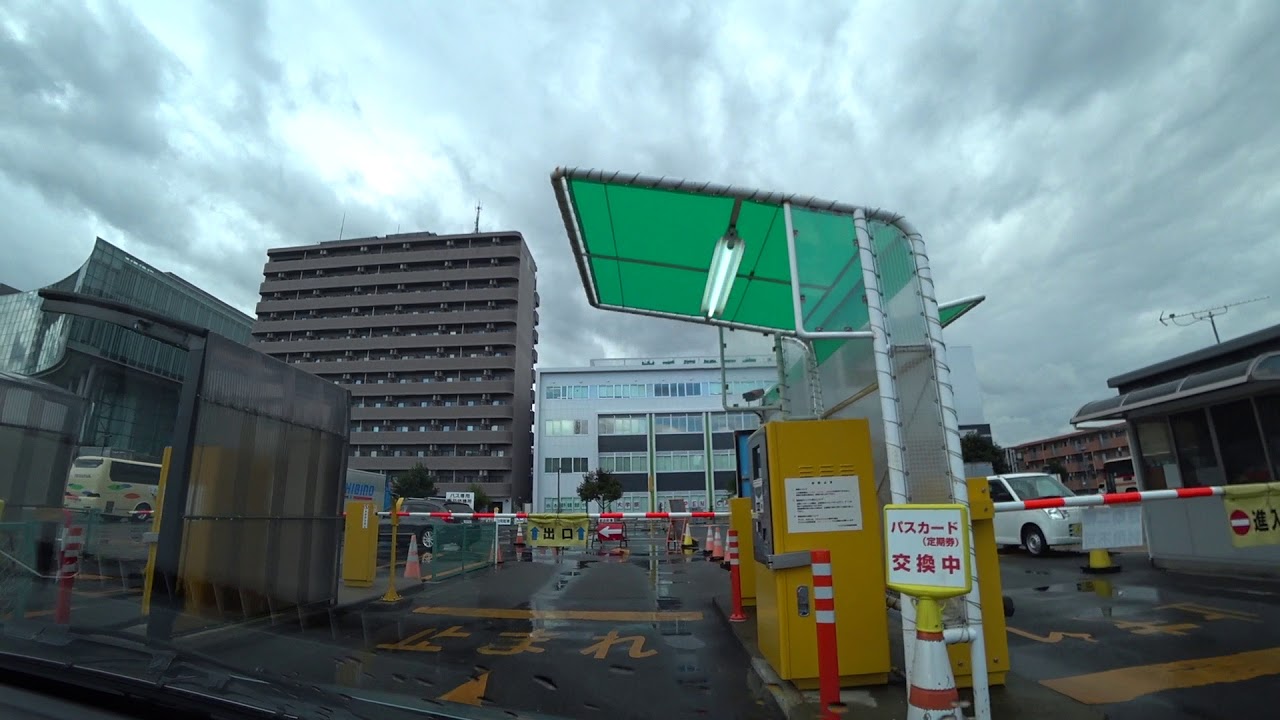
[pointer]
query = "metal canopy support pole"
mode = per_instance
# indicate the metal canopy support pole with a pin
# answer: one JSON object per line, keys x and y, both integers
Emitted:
{"x": 888, "y": 385}
{"x": 960, "y": 487}
{"x": 164, "y": 574}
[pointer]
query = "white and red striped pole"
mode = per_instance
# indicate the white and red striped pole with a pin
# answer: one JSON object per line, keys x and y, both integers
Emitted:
{"x": 68, "y": 566}
{"x": 445, "y": 515}
{"x": 824, "y": 612}
{"x": 735, "y": 579}
{"x": 1124, "y": 498}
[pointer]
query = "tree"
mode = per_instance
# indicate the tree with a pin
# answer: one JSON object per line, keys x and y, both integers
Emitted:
{"x": 610, "y": 488}
{"x": 976, "y": 448}
{"x": 600, "y": 486}
{"x": 415, "y": 483}
{"x": 588, "y": 490}
{"x": 482, "y": 501}
{"x": 1054, "y": 467}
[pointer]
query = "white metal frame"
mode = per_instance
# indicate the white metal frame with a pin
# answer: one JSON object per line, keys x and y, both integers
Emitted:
{"x": 883, "y": 348}
{"x": 960, "y": 486}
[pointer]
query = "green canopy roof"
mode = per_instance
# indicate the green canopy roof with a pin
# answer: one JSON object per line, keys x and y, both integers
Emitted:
{"x": 644, "y": 245}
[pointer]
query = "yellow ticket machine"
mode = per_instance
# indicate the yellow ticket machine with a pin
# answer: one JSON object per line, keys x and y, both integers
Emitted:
{"x": 813, "y": 487}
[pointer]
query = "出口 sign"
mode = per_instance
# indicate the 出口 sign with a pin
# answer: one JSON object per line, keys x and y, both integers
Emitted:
{"x": 927, "y": 550}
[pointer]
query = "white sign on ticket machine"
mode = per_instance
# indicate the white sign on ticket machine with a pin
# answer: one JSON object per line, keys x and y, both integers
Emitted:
{"x": 927, "y": 550}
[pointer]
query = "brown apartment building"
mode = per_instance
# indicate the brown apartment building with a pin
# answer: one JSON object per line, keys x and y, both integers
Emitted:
{"x": 1082, "y": 454}
{"x": 434, "y": 336}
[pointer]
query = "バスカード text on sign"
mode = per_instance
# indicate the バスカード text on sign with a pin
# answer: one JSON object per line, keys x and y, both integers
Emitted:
{"x": 927, "y": 549}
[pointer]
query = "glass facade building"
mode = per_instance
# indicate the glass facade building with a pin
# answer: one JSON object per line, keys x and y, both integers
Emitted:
{"x": 130, "y": 381}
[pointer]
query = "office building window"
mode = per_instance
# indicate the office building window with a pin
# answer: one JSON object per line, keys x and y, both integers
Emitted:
{"x": 565, "y": 464}
{"x": 566, "y": 427}
{"x": 622, "y": 391}
{"x": 624, "y": 462}
{"x": 680, "y": 389}
{"x": 729, "y": 422}
{"x": 624, "y": 425}
{"x": 679, "y": 461}
{"x": 678, "y": 423}
{"x": 724, "y": 460}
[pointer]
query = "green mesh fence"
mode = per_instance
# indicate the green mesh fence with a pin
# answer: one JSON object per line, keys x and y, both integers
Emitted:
{"x": 459, "y": 548}
{"x": 17, "y": 567}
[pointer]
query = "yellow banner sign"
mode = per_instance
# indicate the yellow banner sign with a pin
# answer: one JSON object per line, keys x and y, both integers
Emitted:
{"x": 548, "y": 530}
{"x": 1253, "y": 514}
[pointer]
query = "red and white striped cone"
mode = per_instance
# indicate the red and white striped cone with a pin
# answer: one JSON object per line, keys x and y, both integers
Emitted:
{"x": 68, "y": 567}
{"x": 718, "y": 551}
{"x": 933, "y": 694}
{"x": 824, "y": 615}
{"x": 711, "y": 541}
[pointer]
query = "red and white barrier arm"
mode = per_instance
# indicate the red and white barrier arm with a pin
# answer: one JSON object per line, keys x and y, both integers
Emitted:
{"x": 591, "y": 516}
{"x": 1125, "y": 498}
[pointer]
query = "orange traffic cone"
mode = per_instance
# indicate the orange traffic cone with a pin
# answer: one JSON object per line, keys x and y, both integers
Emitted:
{"x": 519, "y": 536}
{"x": 412, "y": 566}
{"x": 711, "y": 542}
{"x": 718, "y": 551}
{"x": 933, "y": 691}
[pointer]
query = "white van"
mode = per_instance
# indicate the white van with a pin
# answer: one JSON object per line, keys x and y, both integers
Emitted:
{"x": 1037, "y": 530}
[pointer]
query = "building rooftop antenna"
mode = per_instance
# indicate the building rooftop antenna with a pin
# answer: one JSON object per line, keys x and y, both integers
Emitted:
{"x": 1195, "y": 316}
{"x": 477, "y": 229}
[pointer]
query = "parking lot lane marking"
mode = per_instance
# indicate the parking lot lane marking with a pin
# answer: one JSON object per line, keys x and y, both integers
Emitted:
{"x": 469, "y": 692}
{"x": 1212, "y": 613}
{"x": 1125, "y": 684}
{"x": 621, "y": 616}
{"x": 1053, "y": 637}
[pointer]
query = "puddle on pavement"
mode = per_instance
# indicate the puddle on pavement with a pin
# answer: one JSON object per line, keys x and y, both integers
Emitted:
{"x": 546, "y": 682}
{"x": 683, "y": 641}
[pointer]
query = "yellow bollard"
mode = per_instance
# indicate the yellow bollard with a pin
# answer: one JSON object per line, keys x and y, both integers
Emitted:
{"x": 391, "y": 595}
{"x": 1100, "y": 563}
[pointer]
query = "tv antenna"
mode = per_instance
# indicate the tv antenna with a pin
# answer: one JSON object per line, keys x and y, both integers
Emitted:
{"x": 477, "y": 230}
{"x": 1195, "y": 316}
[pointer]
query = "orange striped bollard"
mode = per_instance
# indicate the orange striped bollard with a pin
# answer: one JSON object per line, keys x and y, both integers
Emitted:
{"x": 824, "y": 611}
{"x": 735, "y": 579}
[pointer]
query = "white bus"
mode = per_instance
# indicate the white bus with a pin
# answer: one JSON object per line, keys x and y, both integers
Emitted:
{"x": 124, "y": 489}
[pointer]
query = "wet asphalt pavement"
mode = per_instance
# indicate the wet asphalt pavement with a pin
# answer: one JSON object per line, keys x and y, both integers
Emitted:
{"x": 575, "y": 635}
{"x": 1144, "y": 643}
{"x": 589, "y": 635}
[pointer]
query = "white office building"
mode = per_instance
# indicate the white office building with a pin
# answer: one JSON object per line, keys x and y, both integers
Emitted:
{"x": 659, "y": 420}
{"x": 663, "y": 420}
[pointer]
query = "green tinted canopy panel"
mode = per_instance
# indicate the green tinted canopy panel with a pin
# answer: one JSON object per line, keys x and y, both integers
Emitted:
{"x": 646, "y": 245}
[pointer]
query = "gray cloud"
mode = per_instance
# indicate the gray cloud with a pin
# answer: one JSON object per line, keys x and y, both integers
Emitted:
{"x": 1085, "y": 165}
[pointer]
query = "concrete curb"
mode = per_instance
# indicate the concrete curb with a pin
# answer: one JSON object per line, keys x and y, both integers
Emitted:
{"x": 788, "y": 699}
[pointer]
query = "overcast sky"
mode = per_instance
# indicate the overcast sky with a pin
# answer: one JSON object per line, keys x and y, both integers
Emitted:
{"x": 1085, "y": 165}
